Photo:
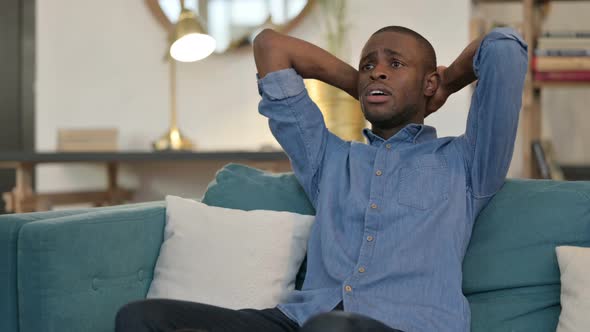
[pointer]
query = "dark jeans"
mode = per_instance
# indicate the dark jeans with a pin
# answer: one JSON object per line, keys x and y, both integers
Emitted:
{"x": 171, "y": 315}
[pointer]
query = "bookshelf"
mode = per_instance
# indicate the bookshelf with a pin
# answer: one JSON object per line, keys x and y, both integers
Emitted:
{"x": 533, "y": 14}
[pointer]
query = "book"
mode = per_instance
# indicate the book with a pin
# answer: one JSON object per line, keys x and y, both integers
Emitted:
{"x": 87, "y": 140}
{"x": 540, "y": 160}
{"x": 547, "y": 165}
{"x": 563, "y": 43}
{"x": 562, "y": 52}
{"x": 563, "y": 76}
{"x": 567, "y": 34}
{"x": 561, "y": 63}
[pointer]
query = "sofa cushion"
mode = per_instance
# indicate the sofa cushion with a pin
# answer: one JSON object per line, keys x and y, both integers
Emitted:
{"x": 510, "y": 271}
{"x": 228, "y": 257}
{"x": 245, "y": 188}
{"x": 574, "y": 265}
{"x": 241, "y": 187}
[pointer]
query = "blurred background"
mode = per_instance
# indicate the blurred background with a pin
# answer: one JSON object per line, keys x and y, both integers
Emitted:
{"x": 95, "y": 111}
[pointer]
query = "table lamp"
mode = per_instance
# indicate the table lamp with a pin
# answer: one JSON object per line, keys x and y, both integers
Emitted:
{"x": 189, "y": 43}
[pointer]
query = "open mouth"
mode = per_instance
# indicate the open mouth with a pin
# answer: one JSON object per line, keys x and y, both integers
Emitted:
{"x": 377, "y": 95}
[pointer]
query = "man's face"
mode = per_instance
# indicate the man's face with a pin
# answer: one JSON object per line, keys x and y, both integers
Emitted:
{"x": 391, "y": 74}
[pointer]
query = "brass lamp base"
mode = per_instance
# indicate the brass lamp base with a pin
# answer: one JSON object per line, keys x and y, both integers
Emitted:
{"x": 342, "y": 113}
{"x": 173, "y": 140}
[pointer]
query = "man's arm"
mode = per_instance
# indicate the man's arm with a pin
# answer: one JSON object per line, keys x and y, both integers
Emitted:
{"x": 274, "y": 51}
{"x": 294, "y": 119}
{"x": 499, "y": 62}
{"x": 454, "y": 78}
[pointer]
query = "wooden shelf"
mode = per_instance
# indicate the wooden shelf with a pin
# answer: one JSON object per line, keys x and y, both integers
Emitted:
{"x": 576, "y": 172}
{"x": 558, "y": 84}
{"x": 138, "y": 156}
{"x": 506, "y": 1}
{"x": 23, "y": 198}
{"x": 532, "y": 17}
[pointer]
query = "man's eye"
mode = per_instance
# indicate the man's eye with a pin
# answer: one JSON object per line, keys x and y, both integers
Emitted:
{"x": 368, "y": 66}
{"x": 396, "y": 64}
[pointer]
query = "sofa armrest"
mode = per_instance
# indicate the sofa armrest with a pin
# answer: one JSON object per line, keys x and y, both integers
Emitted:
{"x": 10, "y": 225}
{"x": 75, "y": 272}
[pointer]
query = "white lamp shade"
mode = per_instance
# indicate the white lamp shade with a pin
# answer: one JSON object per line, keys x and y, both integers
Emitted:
{"x": 192, "y": 47}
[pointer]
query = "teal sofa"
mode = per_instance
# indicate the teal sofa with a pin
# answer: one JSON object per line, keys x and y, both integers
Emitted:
{"x": 72, "y": 270}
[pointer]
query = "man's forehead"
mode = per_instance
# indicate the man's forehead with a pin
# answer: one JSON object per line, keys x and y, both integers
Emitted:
{"x": 400, "y": 43}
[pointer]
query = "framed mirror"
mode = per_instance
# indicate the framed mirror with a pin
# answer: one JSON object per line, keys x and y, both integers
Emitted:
{"x": 233, "y": 23}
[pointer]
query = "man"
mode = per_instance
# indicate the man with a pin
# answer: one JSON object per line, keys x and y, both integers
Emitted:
{"x": 394, "y": 216}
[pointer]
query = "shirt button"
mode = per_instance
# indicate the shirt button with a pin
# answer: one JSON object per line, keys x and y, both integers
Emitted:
{"x": 388, "y": 146}
{"x": 378, "y": 173}
{"x": 373, "y": 206}
{"x": 361, "y": 269}
{"x": 369, "y": 238}
{"x": 348, "y": 288}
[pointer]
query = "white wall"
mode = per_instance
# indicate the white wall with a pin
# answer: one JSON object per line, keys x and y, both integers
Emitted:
{"x": 99, "y": 63}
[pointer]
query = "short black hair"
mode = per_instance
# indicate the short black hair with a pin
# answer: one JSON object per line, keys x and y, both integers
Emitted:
{"x": 430, "y": 54}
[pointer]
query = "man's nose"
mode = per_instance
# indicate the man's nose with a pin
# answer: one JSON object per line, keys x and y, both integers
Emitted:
{"x": 379, "y": 74}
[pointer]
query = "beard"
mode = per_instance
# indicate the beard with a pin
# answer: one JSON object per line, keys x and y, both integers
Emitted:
{"x": 396, "y": 119}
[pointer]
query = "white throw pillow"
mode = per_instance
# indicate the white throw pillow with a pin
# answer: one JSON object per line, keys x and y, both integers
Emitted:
{"x": 229, "y": 258}
{"x": 574, "y": 264}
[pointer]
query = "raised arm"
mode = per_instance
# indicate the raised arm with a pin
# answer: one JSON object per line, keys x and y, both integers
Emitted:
{"x": 294, "y": 119}
{"x": 457, "y": 76}
{"x": 500, "y": 64}
{"x": 274, "y": 51}
{"x": 461, "y": 73}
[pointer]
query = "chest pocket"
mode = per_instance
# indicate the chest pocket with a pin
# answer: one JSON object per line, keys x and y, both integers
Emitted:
{"x": 424, "y": 183}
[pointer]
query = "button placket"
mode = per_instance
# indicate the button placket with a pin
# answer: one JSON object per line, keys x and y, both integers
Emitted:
{"x": 372, "y": 219}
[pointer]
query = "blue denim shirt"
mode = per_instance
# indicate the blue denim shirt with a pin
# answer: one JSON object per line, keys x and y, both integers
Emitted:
{"x": 394, "y": 216}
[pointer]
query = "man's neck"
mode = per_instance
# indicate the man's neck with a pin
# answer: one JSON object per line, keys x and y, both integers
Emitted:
{"x": 387, "y": 133}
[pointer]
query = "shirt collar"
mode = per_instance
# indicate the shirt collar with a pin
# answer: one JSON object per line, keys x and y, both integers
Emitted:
{"x": 412, "y": 133}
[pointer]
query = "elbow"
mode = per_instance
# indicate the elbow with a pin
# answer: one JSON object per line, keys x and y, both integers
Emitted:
{"x": 264, "y": 39}
{"x": 508, "y": 50}
{"x": 506, "y": 42}
{"x": 504, "y": 48}
{"x": 267, "y": 54}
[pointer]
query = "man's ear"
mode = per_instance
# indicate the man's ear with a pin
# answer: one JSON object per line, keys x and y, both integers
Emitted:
{"x": 431, "y": 84}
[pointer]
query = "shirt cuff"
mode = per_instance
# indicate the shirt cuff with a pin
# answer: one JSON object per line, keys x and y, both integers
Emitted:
{"x": 496, "y": 34}
{"x": 280, "y": 84}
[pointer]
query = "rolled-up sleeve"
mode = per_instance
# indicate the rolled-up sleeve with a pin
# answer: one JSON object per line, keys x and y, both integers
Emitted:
{"x": 500, "y": 64}
{"x": 298, "y": 125}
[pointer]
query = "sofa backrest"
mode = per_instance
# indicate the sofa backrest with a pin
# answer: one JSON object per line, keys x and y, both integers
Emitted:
{"x": 510, "y": 271}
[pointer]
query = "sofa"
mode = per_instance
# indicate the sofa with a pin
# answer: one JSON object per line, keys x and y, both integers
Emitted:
{"x": 72, "y": 270}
